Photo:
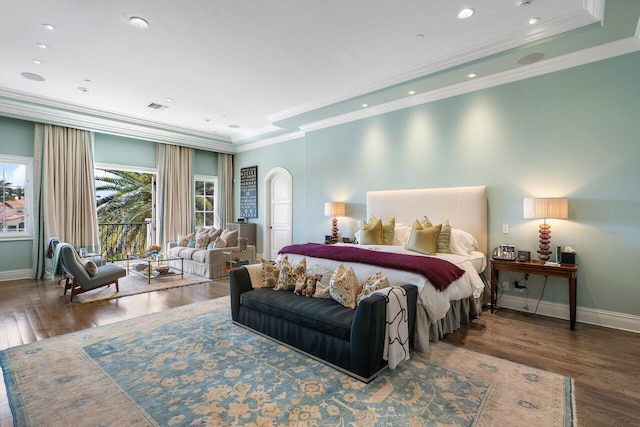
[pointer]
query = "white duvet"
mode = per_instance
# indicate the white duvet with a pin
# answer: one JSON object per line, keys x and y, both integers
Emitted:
{"x": 435, "y": 303}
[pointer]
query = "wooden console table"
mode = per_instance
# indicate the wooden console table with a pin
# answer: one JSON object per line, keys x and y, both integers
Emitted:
{"x": 570, "y": 272}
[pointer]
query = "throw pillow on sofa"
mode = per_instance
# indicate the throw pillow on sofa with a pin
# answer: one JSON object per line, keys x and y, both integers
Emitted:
{"x": 270, "y": 273}
{"x": 231, "y": 237}
{"x": 344, "y": 286}
{"x": 183, "y": 239}
{"x": 290, "y": 275}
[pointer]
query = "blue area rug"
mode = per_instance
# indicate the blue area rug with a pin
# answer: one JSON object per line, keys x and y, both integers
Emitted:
{"x": 192, "y": 366}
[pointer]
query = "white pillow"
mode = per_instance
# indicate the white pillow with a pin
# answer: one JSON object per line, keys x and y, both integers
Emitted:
{"x": 401, "y": 235}
{"x": 462, "y": 243}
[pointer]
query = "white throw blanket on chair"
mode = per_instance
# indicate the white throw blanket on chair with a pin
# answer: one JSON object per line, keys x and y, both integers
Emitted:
{"x": 396, "y": 344}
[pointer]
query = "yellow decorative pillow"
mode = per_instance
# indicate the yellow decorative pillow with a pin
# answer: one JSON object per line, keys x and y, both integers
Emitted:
{"x": 371, "y": 234}
{"x": 344, "y": 287}
{"x": 388, "y": 229}
{"x": 443, "y": 245}
{"x": 424, "y": 240}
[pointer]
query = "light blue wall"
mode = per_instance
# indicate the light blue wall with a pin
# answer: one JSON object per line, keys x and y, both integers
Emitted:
{"x": 205, "y": 163}
{"x": 118, "y": 150}
{"x": 16, "y": 138}
{"x": 572, "y": 133}
{"x": 289, "y": 155}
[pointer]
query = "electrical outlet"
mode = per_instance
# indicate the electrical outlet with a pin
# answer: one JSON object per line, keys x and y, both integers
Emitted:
{"x": 505, "y": 228}
{"x": 505, "y": 285}
{"x": 519, "y": 289}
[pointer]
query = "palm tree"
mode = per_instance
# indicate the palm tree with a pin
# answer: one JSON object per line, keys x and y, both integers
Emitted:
{"x": 124, "y": 201}
{"x": 7, "y": 190}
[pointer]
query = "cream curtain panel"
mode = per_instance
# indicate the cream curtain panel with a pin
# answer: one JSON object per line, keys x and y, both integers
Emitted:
{"x": 225, "y": 189}
{"x": 176, "y": 181}
{"x": 68, "y": 187}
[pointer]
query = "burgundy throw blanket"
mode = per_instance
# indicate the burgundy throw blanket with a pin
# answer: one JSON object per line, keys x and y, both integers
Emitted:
{"x": 440, "y": 273}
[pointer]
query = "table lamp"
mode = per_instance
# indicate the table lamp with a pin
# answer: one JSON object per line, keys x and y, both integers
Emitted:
{"x": 543, "y": 208}
{"x": 334, "y": 209}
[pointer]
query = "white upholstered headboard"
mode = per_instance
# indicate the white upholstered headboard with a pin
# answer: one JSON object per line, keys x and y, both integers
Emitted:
{"x": 464, "y": 207}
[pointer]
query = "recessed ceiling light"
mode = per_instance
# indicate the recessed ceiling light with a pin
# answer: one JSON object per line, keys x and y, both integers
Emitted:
{"x": 49, "y": 27}
{"x": 523, "y": 3}
{"x": 472, "y": 75}
{"x": 42, "y": 45}
{"x": 534, "y": 21}
{"x": 87, "y": 80}
{"x": 364, "y": 105}
{"x": 530, "y": 59}
{"x": 169, "y": 99}
{"x": 138, "y": 22}
{"x": 466, "y": 13}
{"x": 36, "y": 61}
{"x": 234, "y": 126}
{"x": 32, "y": 76}
{"x": 412, "y": 92}
{"x": 420, "y": 36}
{"x": 83, "y": 89}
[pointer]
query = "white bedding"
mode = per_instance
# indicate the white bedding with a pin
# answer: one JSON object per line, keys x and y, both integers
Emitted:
{"x": 435, "y": 303}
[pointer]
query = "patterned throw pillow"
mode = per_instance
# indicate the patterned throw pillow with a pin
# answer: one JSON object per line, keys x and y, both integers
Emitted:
{"x": 202, "y": 240}
{"x": 270, "y": 273}
{"x": 370, "y": 288}
{"x": 443, "y": 245}
{"x": 183, "y": 240}
{"x": 424, "y": 240}
{"x": 289, "y": 275}
{"x": 369, "y": 281}
{"x": 344, "y": 286}
{"x": 306, "y": 287}
{"x": 388, "y": 229}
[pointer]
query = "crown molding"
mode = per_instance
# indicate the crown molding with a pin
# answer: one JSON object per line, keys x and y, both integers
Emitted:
{"x": 120, "y": 125}
{"x": 541, "y": 31}
{"x": 595, "y": 8}
{"x": 270, "y": 141}
{"x": 586, "y": 56}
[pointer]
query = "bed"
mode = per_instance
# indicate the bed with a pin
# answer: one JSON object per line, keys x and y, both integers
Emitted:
{"x": 438, "y": 312}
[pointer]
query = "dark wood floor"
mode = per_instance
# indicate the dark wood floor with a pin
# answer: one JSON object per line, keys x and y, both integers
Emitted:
{"x": 604, "y": 363}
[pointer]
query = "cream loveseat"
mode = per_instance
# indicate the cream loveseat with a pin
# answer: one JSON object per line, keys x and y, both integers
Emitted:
{"x": 210, "y": 258}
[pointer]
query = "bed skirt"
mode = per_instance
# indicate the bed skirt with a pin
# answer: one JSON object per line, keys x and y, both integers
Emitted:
{"x": 460, "y": 313}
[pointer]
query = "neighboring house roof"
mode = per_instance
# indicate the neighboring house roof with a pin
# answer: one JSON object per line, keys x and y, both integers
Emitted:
{"x": 15, "y": 204}
{"x": 13, "y": 218}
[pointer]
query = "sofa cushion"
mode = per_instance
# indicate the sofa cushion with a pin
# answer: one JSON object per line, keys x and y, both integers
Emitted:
{"x": 199, "y": 256}
{"x": 230, "y": 236}
{"x": 187, "y": 253}
{"x": 324, "y": 315}
{"x": 175, "y": 251}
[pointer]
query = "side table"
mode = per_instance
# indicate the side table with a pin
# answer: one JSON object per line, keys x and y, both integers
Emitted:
{"x": 570, "y": 272}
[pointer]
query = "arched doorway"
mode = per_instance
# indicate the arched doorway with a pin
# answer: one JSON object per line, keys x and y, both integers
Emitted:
{"x": 278, "y": 221}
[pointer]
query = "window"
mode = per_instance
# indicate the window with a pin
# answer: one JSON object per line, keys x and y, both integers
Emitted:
{"x": 15, "y": 197}
{"x": 205, "y": 200}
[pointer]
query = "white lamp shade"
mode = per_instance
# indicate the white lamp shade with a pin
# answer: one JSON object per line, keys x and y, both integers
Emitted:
{"x": 334, "y": 209}
{"x": 546, "y": 208}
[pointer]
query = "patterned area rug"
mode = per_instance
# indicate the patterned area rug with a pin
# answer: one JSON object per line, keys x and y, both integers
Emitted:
{"x": 192, "y": 366}
{"x": 132, "y": 284}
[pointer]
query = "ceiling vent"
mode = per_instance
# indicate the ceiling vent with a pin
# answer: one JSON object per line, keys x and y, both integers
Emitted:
{"x": 158, "y": 107}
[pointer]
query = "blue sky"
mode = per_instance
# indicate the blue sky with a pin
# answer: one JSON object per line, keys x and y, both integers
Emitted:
{"x": 13, "y": 173}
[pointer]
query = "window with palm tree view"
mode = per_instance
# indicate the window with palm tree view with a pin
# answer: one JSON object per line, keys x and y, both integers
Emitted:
{"x": 14, "y": 200}
{"x": 205, "y": 200}
{"x": 125, "y": 211}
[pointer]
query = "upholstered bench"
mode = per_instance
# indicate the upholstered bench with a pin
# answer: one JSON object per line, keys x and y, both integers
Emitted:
{"x": 351, "y": 340}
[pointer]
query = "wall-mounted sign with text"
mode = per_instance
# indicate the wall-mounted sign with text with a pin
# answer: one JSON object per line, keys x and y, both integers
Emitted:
{"x": 249, "y": 192}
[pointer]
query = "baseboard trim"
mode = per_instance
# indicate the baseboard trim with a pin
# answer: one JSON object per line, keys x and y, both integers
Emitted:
{"x": 591, "y": 316}
{"x": 15, "y": 275}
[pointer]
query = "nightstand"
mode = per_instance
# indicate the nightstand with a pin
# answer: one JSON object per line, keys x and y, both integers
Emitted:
{"x": 570, "y": 272}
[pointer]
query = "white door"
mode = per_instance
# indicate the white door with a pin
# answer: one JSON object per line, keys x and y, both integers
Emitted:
{"x": 279, "y": 221}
